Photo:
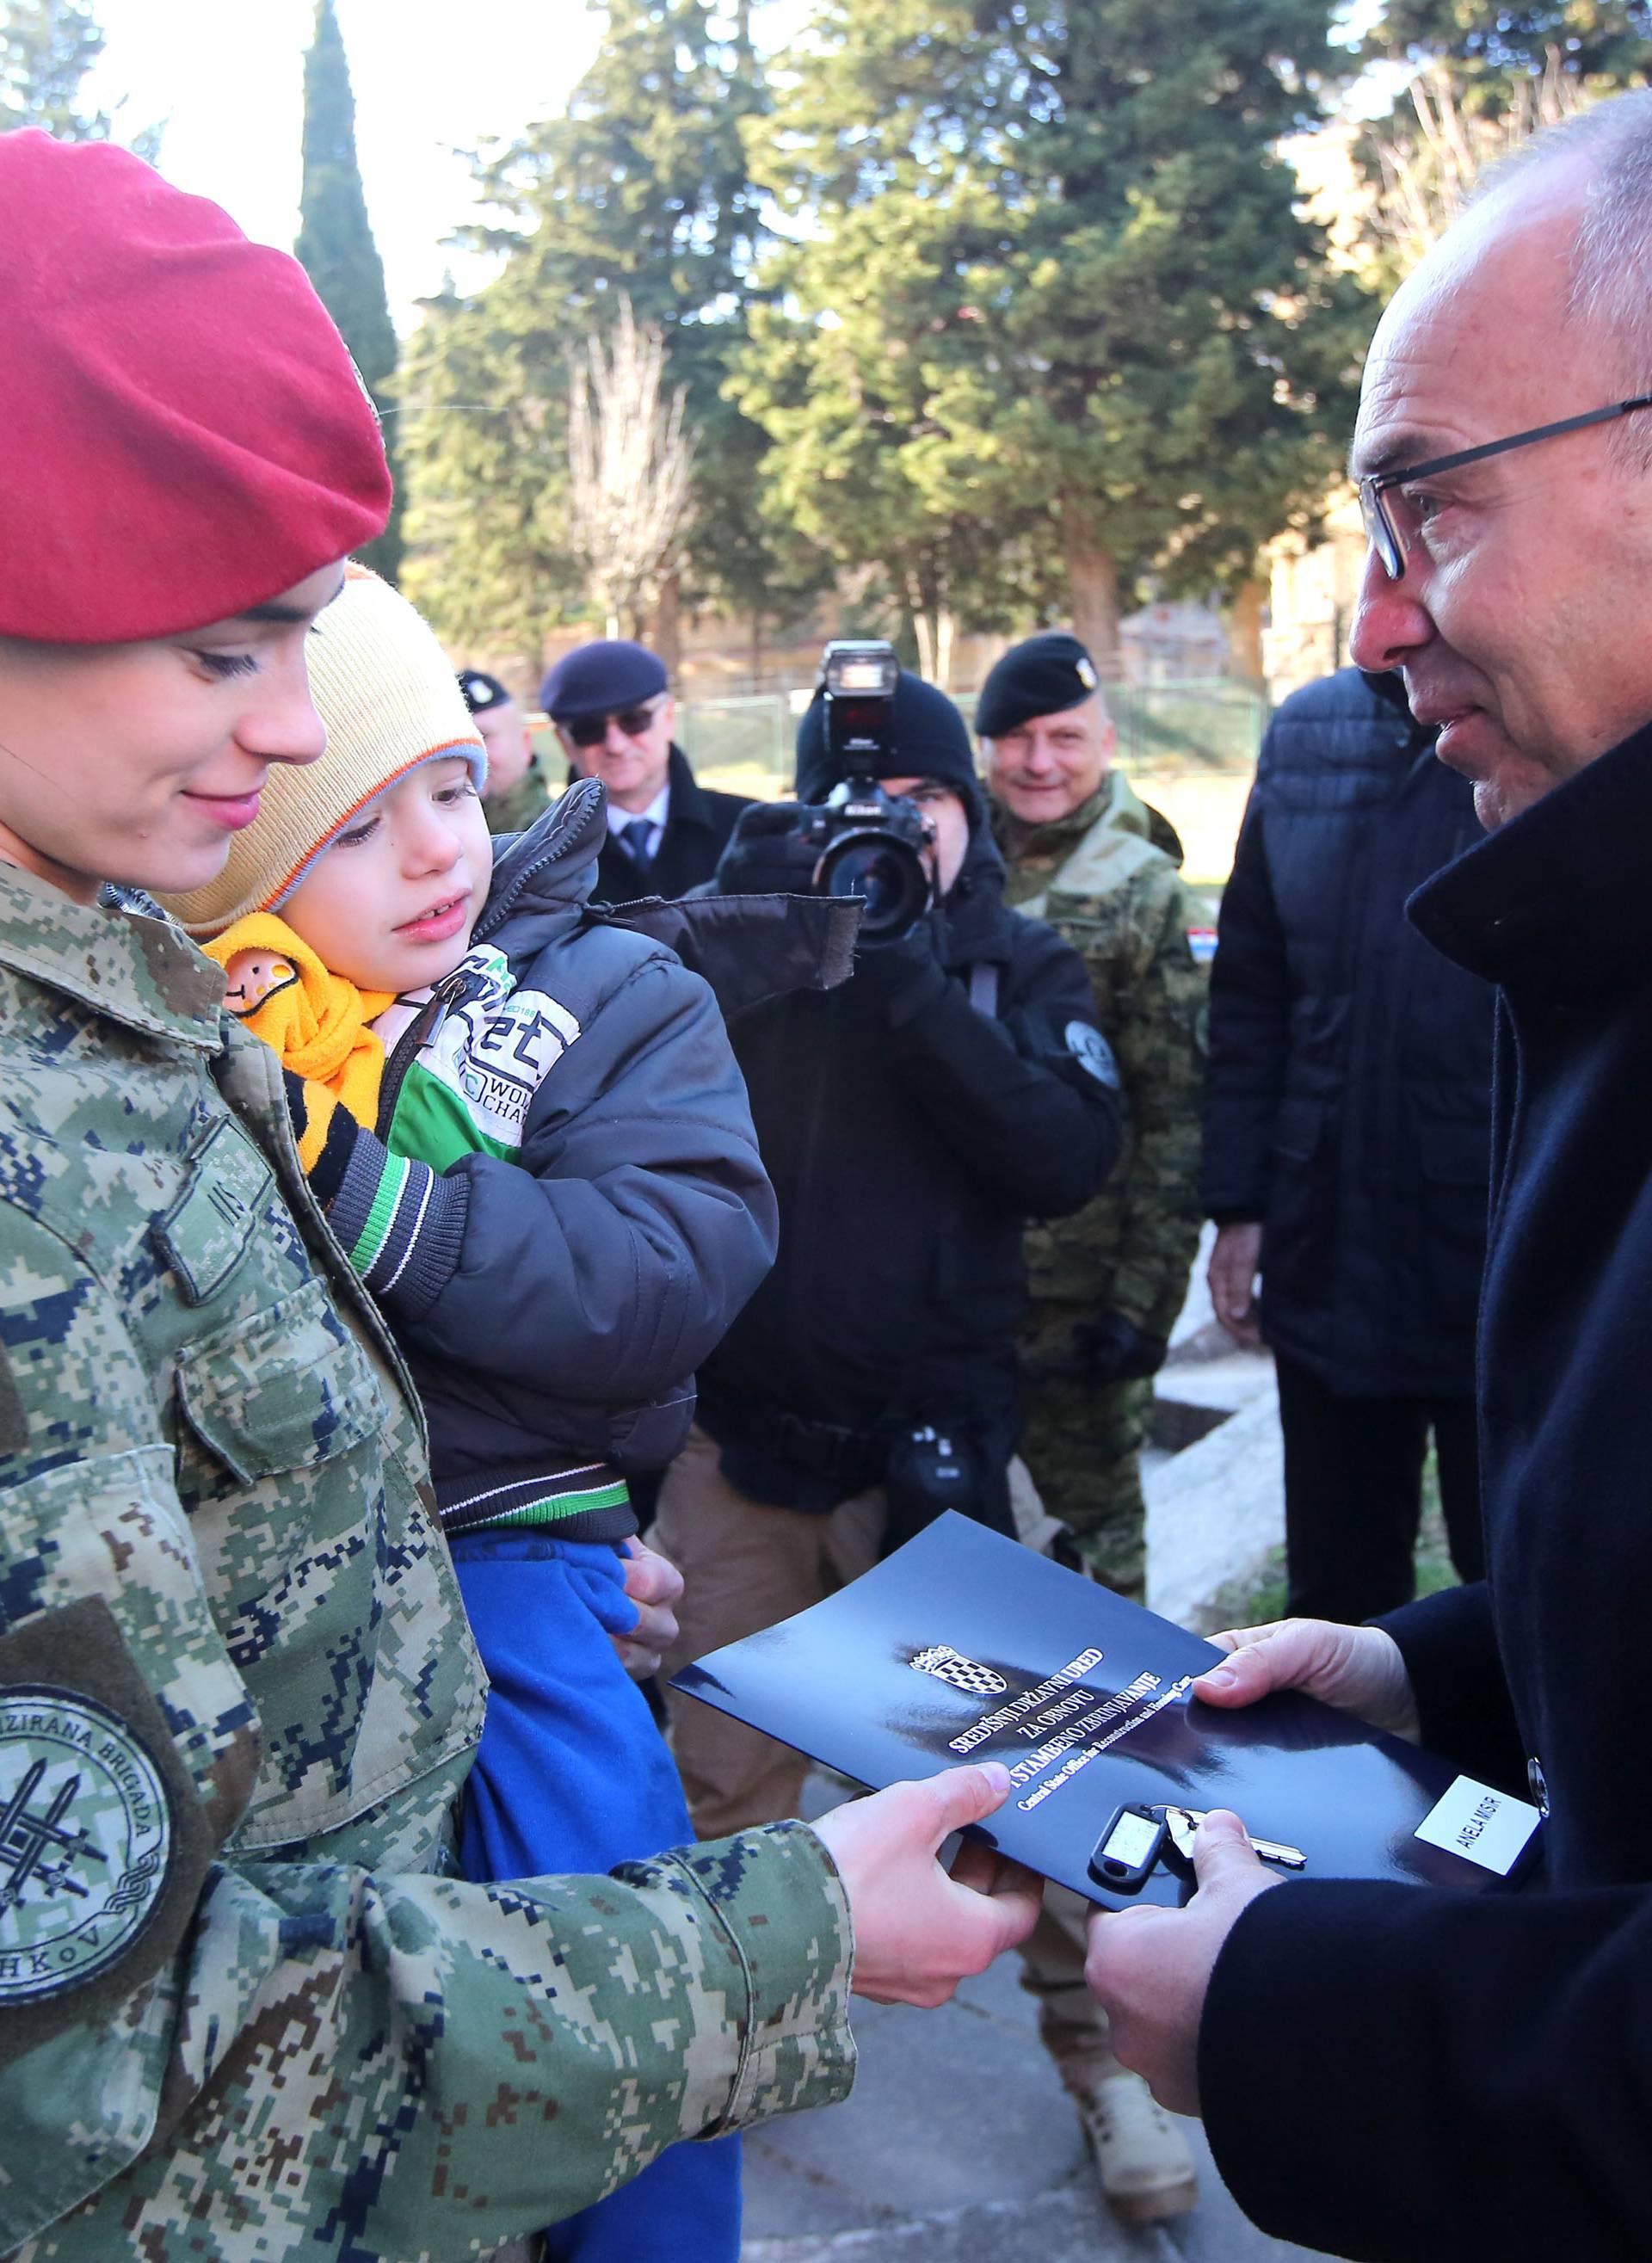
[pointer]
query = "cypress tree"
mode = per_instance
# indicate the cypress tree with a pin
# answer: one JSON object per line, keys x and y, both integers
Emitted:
{"x": 335, "y": 244}
{"x": 642, "y": 188}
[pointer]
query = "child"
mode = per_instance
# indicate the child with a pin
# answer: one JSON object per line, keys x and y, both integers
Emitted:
{"x": 529, "y": 1134}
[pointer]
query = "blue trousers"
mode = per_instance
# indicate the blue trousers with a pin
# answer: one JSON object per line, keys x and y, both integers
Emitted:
{"x": 572, "y": 1777}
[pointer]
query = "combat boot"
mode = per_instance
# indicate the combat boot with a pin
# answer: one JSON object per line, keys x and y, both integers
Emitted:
{"x": 1145, "y": 2169}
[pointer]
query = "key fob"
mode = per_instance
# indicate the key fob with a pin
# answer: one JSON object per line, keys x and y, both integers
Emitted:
{"x": 1127, "y": 1849}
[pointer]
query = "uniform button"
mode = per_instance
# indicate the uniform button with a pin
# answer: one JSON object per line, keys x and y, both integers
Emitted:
{"x": 1536, "y": 1784}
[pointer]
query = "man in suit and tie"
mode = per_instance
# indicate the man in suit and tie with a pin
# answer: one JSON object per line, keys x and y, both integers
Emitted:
{"x": 611, "y": 703}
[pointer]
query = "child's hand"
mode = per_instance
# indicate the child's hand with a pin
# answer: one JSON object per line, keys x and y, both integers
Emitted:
{"x": 654, "y": 1585}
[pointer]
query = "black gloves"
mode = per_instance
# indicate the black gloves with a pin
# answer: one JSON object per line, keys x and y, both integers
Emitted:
{"x": 896, "y": 980}
{"x": 1110, "y": 1348}
{"x": 765, "y": 855}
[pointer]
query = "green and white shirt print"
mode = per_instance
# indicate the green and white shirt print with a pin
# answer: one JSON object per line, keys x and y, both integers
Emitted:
{"x": 473, "y": 1075}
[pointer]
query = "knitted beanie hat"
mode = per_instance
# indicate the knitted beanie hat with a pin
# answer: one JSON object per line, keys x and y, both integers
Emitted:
{"x": 184, "y": 434}
{"x": 390, "y": 701}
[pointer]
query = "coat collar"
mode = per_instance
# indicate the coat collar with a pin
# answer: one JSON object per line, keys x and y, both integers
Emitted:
{"x": 142, "y": 972}
{"x": 1554, "y": 903}
{"x": 688, "y": 804}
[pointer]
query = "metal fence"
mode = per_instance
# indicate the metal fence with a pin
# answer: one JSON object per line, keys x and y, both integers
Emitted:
{"x": 1164, "y": 728}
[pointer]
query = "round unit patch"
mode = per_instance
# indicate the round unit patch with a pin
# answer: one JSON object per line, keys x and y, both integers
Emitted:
{"x": 85, "y": 1839}
{"x": 1091, "y": 1050}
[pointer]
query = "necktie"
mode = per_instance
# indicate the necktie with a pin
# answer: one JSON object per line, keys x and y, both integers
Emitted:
{"x": 637, "y": 842}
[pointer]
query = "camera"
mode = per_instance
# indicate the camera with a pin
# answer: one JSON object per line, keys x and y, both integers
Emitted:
{"x": 868, "y": 844}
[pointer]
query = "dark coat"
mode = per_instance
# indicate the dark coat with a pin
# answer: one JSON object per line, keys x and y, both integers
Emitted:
{"x": 1473, "y": 2080}
{"x": 698, "y": 823}
{"x": 1349, "y": 1084}
{"x": 910, "y": 1136}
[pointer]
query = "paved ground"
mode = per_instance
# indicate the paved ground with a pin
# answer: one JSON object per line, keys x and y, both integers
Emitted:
{"x": 958, "y": 2145}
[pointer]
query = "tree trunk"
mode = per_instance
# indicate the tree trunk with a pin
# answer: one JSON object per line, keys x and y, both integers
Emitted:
{"x": 1245, "y": 630}
{"x": 666, "y": 640}
{"x": 946, "y": 631}
{"x": 922, "y": 626}
{"x": 1093, "y": 586}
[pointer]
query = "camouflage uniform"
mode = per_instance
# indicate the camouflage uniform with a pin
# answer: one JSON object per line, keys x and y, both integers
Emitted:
{"x": 1100, "y": 881}
{"x": 244, "y": 2011}
{"x": 515, "y": 810}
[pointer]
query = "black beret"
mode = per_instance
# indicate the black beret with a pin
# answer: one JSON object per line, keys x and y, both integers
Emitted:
{"x": 1045, "y": 675}
{"x": 596, "y": 679}
{"x": 480, "y": 691}
{"x": 930, "y": 739}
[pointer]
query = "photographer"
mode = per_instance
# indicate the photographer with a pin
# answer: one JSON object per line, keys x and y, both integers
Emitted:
{"x": 912, "y": 1121}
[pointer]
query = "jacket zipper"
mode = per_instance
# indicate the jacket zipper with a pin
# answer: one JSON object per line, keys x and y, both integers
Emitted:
{"x": 455, "y": 989}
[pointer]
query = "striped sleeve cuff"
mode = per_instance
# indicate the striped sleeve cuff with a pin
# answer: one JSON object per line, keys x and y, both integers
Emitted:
{"x": 402, "y": 1224}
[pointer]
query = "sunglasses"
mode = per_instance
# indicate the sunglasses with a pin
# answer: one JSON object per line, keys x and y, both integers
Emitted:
{"x": 1387, "y": 530}
{"x": 591, "y": 730}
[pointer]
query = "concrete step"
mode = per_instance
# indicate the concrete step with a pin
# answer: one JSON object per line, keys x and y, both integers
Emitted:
{"x": 1215, "y": 1511}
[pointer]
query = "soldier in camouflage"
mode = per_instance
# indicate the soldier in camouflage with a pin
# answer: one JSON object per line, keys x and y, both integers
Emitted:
{"x": 1088, "y": 856}
{"x": 513, "y": 791}
{"x": 246, "y": 2011}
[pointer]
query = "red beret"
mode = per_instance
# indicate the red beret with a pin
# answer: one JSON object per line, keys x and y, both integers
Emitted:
{"x": 182, "y": 432}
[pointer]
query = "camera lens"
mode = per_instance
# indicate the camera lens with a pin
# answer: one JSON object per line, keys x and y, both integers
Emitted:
{"x": 886, "y": 875}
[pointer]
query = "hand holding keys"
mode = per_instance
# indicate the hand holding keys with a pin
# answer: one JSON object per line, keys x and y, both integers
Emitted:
{"x": 1181, "y": 1823}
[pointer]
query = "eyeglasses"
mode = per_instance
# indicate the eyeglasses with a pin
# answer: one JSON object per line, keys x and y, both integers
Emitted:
{"x": 591, "y": 730}
{"x": 1392, "y": 543}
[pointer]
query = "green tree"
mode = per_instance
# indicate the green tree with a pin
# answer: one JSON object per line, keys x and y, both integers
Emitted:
{"x": 335, "y": 243}
{"x": 641, "y": 190}
{"x": 1050, "y": 300}
{"x": 1492, "y": 50}
{"x": 46, "y": 48}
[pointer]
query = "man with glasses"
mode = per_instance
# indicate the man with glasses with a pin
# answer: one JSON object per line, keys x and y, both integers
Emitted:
{"x": 1401, "y": 2072}
{"x": 612, "y": 707}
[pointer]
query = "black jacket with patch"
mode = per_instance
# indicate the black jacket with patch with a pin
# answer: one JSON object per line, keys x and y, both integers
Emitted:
{"x": 910, "y": 1134}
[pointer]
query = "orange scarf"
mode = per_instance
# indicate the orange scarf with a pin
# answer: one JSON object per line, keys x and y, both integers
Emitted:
{"x": 316, "y": 1021}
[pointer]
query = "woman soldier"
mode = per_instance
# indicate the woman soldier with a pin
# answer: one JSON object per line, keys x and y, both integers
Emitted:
{"x": 242, "y": 2008}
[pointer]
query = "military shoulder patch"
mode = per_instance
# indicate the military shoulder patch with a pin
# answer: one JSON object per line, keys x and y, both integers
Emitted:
{"x": 1091, "y": 1050}
{"x": 86, "y": 1834}
{"x": 104, "y": 1843}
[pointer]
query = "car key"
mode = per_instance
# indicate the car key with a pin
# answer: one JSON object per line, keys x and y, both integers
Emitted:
{"x": 1127, "y": 1849}
{"x": 1182, "y": 1823}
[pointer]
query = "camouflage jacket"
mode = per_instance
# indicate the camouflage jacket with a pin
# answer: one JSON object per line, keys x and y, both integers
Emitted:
{"x": 515, "y": 810}
{"x": 1097, "y": 880}
{"x": 243, "y": 2009}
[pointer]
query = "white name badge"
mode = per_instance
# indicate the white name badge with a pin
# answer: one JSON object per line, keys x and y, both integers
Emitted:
{"x": 1484, "y": 1826}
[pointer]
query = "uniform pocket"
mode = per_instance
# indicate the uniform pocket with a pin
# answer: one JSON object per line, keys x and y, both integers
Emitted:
{"x": 286, "y": 1388}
